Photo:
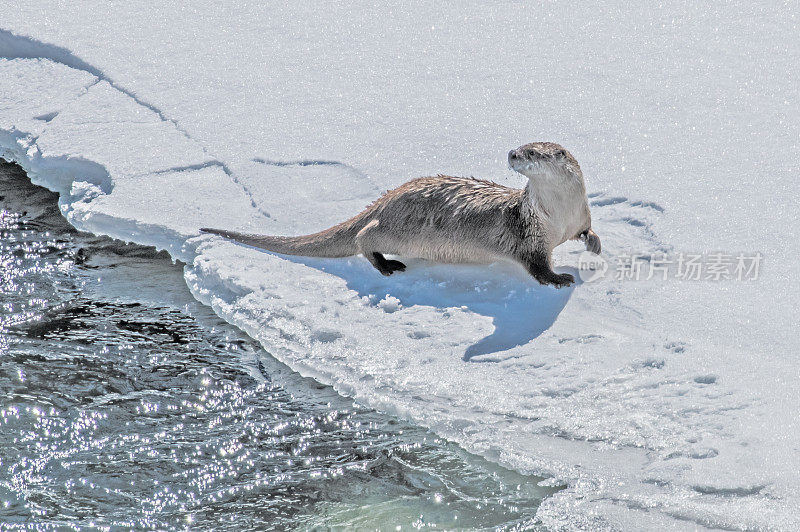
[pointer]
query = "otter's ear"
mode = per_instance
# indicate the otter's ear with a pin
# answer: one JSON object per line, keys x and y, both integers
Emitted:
{"x": 561, "y": 154}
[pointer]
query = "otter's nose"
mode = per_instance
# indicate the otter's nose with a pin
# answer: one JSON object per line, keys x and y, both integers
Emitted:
{"x": 512, "y": 155}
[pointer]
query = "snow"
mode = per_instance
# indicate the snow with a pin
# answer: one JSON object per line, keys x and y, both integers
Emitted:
{"x": 659, "y": 404}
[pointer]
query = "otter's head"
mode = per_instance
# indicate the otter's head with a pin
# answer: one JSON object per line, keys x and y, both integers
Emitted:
{"x": 545, "y": 161}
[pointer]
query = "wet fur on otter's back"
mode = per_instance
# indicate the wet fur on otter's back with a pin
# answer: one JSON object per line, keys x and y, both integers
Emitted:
{"x": 452, "y": 219}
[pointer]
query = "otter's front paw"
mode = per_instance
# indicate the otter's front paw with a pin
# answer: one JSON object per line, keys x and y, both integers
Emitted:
{"x": 592, "y": 242}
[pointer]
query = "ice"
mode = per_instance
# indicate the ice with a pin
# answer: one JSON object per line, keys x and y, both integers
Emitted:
{"x": 95, "y": 125}
{"x": 658, "y": 404}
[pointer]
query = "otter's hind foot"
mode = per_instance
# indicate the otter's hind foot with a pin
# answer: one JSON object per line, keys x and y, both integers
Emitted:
{"x": 561, "y": 280}
{"x": 395, "y": 266}
{"x": 387, "y": 267}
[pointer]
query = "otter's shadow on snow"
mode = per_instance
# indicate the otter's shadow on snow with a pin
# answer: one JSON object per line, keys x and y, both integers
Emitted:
{"x": 521, "y": 309}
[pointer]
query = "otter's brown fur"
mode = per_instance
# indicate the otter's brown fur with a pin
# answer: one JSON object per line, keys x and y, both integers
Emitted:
{"x": 456, "y": 219}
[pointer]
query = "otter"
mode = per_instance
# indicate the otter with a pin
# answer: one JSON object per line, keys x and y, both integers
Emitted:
{"x": 458, "y": 219}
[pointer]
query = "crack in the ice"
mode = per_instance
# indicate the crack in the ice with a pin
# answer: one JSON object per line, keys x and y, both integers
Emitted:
{"x": 20, "y": 47}
{"x": 191, "y": 167}
{"x": 14, "y": 46}
{"x": 301, "y": 162}
{"x": 309, "y": 162}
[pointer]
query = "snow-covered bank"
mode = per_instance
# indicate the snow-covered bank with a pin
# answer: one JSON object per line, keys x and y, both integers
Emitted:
{"x": 656, "y": 402}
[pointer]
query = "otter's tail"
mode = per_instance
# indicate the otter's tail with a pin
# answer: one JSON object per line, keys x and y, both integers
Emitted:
{"x": 338, "y": 241}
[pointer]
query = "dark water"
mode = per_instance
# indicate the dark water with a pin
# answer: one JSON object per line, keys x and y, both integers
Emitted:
{"x": 127, "y": 404}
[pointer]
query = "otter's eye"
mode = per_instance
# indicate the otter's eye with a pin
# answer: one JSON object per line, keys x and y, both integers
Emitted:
{"x": 531, "y": 154}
